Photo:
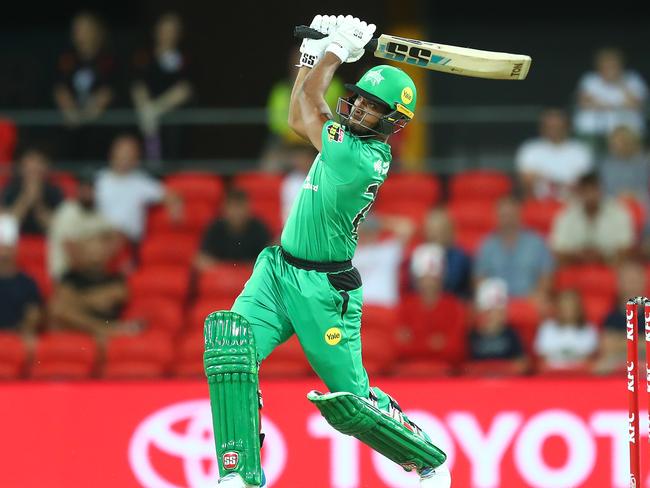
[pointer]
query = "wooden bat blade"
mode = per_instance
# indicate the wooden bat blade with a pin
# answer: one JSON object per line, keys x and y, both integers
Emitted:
{"x": 452, "y": 59}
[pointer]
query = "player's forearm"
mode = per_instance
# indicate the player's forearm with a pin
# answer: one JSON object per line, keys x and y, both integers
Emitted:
{"x": 312, "y": 95}
{"x": 295, "y": 115}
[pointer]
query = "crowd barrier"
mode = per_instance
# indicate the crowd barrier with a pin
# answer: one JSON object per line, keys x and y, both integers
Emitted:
{"x": 498, "y": 433}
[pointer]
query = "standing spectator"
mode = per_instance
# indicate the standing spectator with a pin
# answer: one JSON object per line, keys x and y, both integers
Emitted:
{"x": 300, "y": 158}
{"x": 439, "y": 229}
{"x": 378, "y": 260}
{"x": 124, "y": 192}
{"x": 493, "y": 338}
{"x": 20, "y": 301}
{"x": 29, "y": 196}
{"x": 237, "y": 236}
{"x": 567, "y": 340}
{"x": 632, "y": 282}
{"x": 84, "y": 88}
{"x": 550, "y": 165}
{"x": 75, "y": 219}
{"x": 592, "y": 228}
{"x": 161, "y": 85}
{"x": 625, "y": 171}
{"x": 88, "y": 297}
{"x": 516, "y": 255}
{"x": 610, "y": 96}
{"x": 434, "y": 322}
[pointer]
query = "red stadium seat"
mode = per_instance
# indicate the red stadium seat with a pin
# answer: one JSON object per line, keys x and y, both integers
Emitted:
{"x": 473, "y": 221}
{"x": 422, "y": 368}
{"x": 379, "y": 351}
{"x": 206, "y": 188}
{"x": 202, "y": 308}
{"x": 32, "y": 260}
{"x": 538, "y": 215}
{"x": 637, "y": 212}
{"x": 596, "y": 308}
{"x": 492, "y": 368}
{"x": 263, "y": 190}
{"x": 158, "y": 314}
{"x": 189, "y": 356}
{"x": 160, "y": 281}
{"x": 592, "y": 280}
{"x": 378, "y": 318}
{"x": 287, "y": 360}
{"x": 142, "y": 356}
{"x": 479, "y": 185}
{"x": 524, "y": 316}
{"x": 168, "y": 249}
{"x": 421, "y": 188}
{"x": 13, "y": 355}
{"x": 64, "y": 355}
{"x": 66, "y": 181}
{"x": 224, "y": 280}
{"x": 8, "y": 141}
{"x": 196, "y": 217}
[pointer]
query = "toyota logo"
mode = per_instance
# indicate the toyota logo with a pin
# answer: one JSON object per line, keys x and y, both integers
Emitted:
{"x": 183, "y": 431}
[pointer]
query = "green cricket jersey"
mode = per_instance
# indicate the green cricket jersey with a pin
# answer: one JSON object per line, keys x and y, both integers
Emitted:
{"x": 338, "y": 192}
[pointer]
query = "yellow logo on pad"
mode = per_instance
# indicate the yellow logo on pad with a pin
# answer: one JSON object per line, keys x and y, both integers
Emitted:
{"x": 407, "y": 95}
{"x": 333, "y": 336}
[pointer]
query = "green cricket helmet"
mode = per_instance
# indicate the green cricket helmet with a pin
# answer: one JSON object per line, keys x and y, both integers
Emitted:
{"x": 390, "y": 87}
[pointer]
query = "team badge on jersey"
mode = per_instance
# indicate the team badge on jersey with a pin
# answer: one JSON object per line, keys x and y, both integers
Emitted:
{"x": 335, "y": 133}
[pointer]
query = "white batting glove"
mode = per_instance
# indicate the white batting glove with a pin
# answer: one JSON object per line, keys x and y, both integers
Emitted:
{"x": 349, "y": 38}
{"x": 311, "y": 50}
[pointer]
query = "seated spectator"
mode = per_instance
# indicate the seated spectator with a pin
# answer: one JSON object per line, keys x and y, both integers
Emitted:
{"x": 378, "y": 260}
{"x": 625, "y": 170}
{"x": 438, "y": 229}
{"x": 591, "y": 228}
{"x": 566, "y": 340}
{"x": 632, "y": 282}
{"x": 609, "y": 97}
{"x": 75, "y": 219}
{"x": 89, "y": 298}
{"x": 21, "y": 307}
{"x": 550, "y": 165}
{"x": 85, "y": 85}
{"x": 237, "y": 236}
{"x": 300, "y": 159}
{"x": 516, "y": 255}
{"x": 124, "y": 193}
{"x": 29, "y": 196}
{"x": 161, "y": 85}
{"x": 433, "y": 321}
{"x": 492, "y": 338}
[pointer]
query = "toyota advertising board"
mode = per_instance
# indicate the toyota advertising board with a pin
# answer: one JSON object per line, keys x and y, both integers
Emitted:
{"x": 506, "y": 433}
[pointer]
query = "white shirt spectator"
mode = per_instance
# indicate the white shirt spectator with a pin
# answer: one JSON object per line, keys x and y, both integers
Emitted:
{"x": 124, "y": 198}
{"x": 564, "y": 345}
{"x": 557, "y": 165}
{"x": 379, "y": 263}
{"x": 603, "y": 121}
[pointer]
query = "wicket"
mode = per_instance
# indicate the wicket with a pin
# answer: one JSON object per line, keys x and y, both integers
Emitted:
{"x": 631, "y": 317}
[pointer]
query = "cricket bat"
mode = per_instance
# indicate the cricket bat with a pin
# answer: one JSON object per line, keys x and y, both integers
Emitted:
{"x": 439, "y": 57}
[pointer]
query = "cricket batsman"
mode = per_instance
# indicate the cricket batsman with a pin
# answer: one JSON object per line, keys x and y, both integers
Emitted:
{"x": 307, "y": 286}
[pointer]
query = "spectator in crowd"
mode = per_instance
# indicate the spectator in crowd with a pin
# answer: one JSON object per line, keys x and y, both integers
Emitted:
{"x": 85, "y": 84}
{"x": 300, "y": 158}
{"x": 161, "y": 85}
{"x": 550, "y": 165}
{"x": 609, "y": 96}
{"x": 625, "y": 170}
{"x": 75, "y": 219}
{"x": 123, "y": 192}
{"x": 378, "y": 260}
{"x": 236, "y": 236}
{"x": 433, "y": 321}
{"x": 438, "y": 229}
{"x": 89, "y": 298}
{"x": 567, "y": 340}
{"x": 591, "y": 228}
{"x": 29, "y": 196}
{"x": 516, "y": 255}
{"x": 20, "y": 301}
{"x": 492, "y": 338}
{"x": 632, "y": 282}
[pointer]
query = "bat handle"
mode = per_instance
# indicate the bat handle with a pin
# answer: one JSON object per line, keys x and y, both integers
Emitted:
{"x": 305, "y": 32}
